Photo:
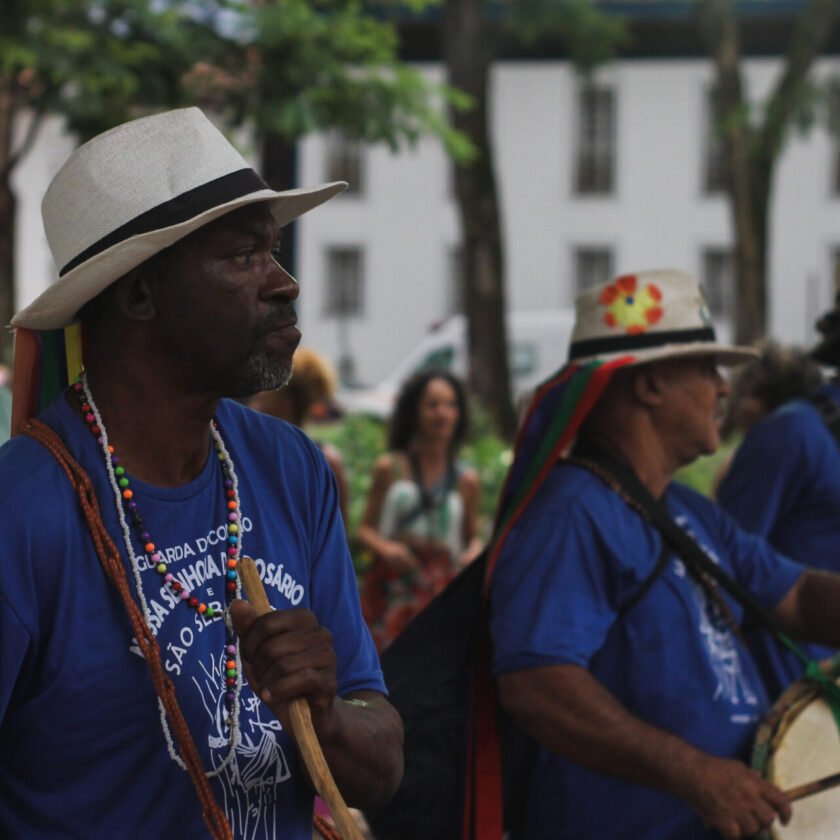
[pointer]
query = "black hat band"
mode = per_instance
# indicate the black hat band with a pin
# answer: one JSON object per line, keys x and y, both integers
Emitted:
{"x": 638, "y": 341}
{"x": 175, "y": 211}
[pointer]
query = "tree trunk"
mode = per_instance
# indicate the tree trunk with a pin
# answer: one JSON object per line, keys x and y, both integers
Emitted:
{"x": 720, "y": 32}
{"x": 7, "y": 219}
{"x": 279, "y": 169}
{"x": 752, "y": 152}
{"x": 468, "y": 53}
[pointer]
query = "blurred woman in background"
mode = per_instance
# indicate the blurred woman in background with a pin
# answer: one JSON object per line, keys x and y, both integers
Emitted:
{"x": 421, "y": 518}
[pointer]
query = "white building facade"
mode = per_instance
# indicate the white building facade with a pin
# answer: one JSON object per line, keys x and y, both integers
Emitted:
{"x": 593, "y": 181}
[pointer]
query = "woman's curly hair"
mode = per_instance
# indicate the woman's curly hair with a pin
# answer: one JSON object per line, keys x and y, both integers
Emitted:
{"x": 404, "y": 420}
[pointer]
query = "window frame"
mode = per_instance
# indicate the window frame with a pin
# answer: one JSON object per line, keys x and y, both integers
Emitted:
{"x": 340, "y": 302}
{"x": 345, "y": 161}
{"x": 595, "y": 162}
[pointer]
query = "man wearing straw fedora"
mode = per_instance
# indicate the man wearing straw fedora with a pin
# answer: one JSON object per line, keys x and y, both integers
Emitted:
{"x": 616, "y": 647}
{"x": 124, "y": 533}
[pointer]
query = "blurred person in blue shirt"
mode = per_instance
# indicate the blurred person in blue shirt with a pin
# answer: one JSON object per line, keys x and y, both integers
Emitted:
{"x": 784, "y": 480}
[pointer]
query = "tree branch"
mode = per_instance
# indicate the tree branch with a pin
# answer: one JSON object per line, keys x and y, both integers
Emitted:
{"x": 32, "y": 129}
{"x": 810, "y": 36}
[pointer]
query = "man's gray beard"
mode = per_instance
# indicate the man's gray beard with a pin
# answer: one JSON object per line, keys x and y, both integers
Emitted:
{"x": 263, "y": 374}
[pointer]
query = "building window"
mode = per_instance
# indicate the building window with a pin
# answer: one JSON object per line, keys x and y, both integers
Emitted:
{"x": 719, "y": 281}
{"x": 593, "y": 266}
{"x": 834, "y": 137}
{"x": 595, "y": 161}
{"x": 345, "y": 283}
{"x": 714, "y": 162}
{"x": 456, "y": 283}
{"x": 345, "y": 162}
{"x": 836, "y": 179}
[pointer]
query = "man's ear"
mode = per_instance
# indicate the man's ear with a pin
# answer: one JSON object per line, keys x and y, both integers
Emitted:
{"x": 133, "y": 295}
{"x": 648, "y": 384}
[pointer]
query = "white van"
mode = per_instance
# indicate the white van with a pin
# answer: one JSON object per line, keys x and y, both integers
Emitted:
{"x": 538, "y": 344}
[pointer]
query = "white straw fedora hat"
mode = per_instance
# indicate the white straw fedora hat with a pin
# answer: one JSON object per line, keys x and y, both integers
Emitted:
{"x": 133, "y": 191}
{"x": 649, "y": 315}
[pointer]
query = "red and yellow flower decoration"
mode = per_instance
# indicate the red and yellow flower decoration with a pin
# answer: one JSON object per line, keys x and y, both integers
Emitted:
{"x": 629, "y": 307}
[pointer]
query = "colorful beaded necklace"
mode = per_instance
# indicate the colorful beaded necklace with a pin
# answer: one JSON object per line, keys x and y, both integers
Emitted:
{"x": 127, "y": 507}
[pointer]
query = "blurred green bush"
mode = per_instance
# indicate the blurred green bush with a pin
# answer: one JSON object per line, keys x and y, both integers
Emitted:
{"x": 701, "y": 475}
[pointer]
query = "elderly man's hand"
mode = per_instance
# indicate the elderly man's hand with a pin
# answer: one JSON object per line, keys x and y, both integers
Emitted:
{"x": 732, "y": 798}
{"x": 286, "y": 654}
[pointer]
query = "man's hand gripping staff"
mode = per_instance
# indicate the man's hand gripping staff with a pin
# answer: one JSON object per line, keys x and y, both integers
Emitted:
{"x": 300, "y": 717}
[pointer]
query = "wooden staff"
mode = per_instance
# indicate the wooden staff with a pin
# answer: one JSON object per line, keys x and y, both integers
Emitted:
{"x": 810, "y": 788}
{"x": 301, "y": 718}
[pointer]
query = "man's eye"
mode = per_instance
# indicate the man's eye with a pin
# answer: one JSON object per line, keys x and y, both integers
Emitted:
{"x": 243, "y": 257}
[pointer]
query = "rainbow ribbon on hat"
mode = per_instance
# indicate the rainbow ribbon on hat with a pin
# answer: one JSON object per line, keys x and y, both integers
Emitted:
{"x": 46, "y": 362}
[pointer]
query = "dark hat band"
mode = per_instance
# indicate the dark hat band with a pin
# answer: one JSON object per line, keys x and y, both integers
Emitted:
{"x": 176, "y": 210}
{"x": 638, "y": 341}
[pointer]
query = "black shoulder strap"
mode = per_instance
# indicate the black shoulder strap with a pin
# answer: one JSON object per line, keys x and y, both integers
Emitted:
{"x": 425, "y": 498}
{"x": 661, "y": 562}
{"x": 698, "y": 562}
{"x": 676, "y": 537}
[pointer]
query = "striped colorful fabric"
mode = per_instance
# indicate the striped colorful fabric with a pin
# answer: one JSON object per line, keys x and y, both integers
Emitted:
{"x": 46, "y": 362}
{"x": 559, "y": 407}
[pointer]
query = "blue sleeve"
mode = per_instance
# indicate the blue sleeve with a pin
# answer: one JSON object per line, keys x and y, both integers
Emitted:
{"x": 335, "y": 592}
{"x": 35, "y": 524}
{"x": 756, "y": 565}
{"x": 555, "y": 587}
{"x": 769, "y": 471}
{"x": 15, "y": 643}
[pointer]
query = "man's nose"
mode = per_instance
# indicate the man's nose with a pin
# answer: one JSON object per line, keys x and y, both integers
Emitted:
{"x": 279, "y": 283}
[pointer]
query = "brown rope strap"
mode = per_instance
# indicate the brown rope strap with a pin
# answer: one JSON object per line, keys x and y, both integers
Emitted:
{"x": 109, "y": 556}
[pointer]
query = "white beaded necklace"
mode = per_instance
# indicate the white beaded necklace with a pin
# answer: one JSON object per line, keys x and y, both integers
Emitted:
{"x": 101, "y": 434}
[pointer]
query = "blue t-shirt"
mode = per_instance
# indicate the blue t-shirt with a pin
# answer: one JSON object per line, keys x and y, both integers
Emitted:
{"x": 82, "y": 753}
{"x": 572, "y": 562}
{"x": 784, "y": 484}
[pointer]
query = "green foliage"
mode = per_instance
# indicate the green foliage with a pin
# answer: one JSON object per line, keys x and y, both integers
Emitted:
{"x": 291, "y": 66}
{"x": 817, "y": 104}
{"x": 592, "y": 36}
{"x": 297, "y": 66}
{"x": 701, "y": 475}
{"x": 491, "y": 456}
{"x": 96, "y": 62}
{"x": 360, "y": 440}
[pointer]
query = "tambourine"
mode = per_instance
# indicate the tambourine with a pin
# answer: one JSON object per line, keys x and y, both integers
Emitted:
{"x": 797, "y": 748}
